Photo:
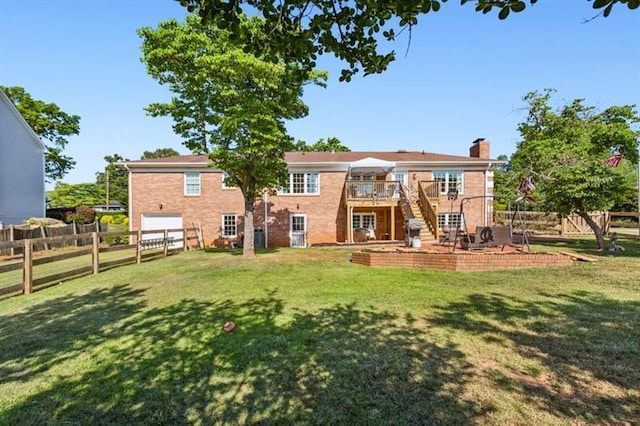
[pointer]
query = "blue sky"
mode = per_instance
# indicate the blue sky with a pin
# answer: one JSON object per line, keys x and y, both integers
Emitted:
{"x": 463, "y": 76}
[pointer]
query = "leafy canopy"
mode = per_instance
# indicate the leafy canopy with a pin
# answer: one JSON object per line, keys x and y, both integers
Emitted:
{"x": 227, "y": 103}
{"x": 565, "y": 149}
{"x": 330, "y": 145}
{"x": 301, "y": 30}
{"x": 72, "y": 195}
{"x": 52, "y": 125}
{"x": 160, "y": 153}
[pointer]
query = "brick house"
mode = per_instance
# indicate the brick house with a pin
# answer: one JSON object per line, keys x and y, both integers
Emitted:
{"x": 331, "y": 196}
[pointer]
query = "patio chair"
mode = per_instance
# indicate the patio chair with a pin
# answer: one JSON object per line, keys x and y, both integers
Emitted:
{"x": 484, "y": 235}
{"x": 449, "y": 236}
{"x": 502, "y": 236}
{"x": 361, "y": 235}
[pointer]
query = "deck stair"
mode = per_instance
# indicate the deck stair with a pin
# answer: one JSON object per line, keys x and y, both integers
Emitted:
{"x": 428, "y": 234}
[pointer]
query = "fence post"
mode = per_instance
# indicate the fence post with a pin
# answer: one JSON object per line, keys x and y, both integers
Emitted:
{"x": 12, "y": 237}
{"x": 166, "y": 242}
{"x": 184, "y": 239}
{"x": 95, "y": 251}
{"x": 43, "y": 233}
{"x": 27, "y": 266}
{"x": 139, "y": 247}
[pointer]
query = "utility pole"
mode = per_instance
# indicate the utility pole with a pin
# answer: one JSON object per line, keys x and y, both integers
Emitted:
{"x": 107, "y": 181}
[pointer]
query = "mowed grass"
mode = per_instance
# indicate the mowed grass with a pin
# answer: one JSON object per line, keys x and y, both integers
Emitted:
{"x": 322, "y": 341}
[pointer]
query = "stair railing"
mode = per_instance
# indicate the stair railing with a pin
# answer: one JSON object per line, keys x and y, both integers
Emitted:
{"x": 428, "y": 210}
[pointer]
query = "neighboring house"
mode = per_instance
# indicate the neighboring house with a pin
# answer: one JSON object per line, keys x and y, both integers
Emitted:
{"x": 331, "y": 196}
{"x": 114, "y": 206}
{"x": 22, "y": 158}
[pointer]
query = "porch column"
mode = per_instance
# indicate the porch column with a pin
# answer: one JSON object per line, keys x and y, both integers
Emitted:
{"x": 349, "y": 235}
{"x": 393, "y": 223}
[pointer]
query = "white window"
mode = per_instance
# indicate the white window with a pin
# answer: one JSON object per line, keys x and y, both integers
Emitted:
{"x": 302, "y": 183}
{"x": 363, "y": 177}
{"x": 449, "y": 221}
{"x": 229, "y": 225}
{"x": 192, "y": 184}
{"x": 449, "y": 181}
{"x": 363, "y": 220}
{"x": 401, "y": 176}
{"x": 225, "y": 175}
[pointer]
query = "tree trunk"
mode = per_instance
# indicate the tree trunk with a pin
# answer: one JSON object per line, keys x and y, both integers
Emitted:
{"x": 247, "y": 244}
{"x": 596, "y": 230}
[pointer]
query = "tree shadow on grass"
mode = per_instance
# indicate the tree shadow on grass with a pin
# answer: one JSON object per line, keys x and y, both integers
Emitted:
{"x": 341, "y": 365}
{"x": 588, "y": 343}
{"x": 57, "y": 330}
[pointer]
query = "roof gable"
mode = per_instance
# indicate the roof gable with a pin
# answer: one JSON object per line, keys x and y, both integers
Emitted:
{"x": 12, "y": 108}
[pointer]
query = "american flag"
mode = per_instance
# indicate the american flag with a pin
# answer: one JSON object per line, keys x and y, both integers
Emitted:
{"x": 613, "y": 161}
{"x": 526, "y": 185}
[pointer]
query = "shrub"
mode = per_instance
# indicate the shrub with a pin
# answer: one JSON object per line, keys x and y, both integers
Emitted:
{"x": 82, "y": 215}
{"x": 115, "y": 218}
{"x": 107, "y": 218}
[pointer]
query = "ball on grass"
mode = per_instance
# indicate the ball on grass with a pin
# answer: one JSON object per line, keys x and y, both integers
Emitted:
{"x": 229, "y": 326}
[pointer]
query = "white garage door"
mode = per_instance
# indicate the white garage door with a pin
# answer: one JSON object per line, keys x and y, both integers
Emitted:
{"x": 160, "y": 222}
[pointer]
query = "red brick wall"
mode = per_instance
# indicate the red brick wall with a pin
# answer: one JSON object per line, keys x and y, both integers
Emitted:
{"x": 326, "y": 213}
{"x": 474, "y": 184}
{"x": 149, "y": 190}
{"x": 461, "y": 262}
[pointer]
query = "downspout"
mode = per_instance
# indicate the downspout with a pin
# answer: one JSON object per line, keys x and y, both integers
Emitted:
{"x": 349, "y": 210}
{"x": 130, "y": 197}
{"x": 266, "y": 219}
{"x": 485, "y": 210}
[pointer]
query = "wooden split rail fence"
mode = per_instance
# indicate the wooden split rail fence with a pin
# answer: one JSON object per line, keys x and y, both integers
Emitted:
{"x": 569, "y": 225}
{"x": 157, "y": 243}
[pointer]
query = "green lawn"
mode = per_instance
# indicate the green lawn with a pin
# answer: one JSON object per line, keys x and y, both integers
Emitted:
{"x": 322, "y": 341}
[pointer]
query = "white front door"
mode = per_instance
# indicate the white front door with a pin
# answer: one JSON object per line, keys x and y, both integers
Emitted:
{"x": 298, "y": 230}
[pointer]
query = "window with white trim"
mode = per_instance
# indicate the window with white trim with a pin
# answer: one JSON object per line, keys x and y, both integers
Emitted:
{"x": 401, "y": 176}
{"x": 449, "y": 221}
{"x": 363, "y": 177}
{"x": 229, "y": 225}
{"x": 225, "y": 175}
{"x": 192, "y": 183}
{"x": 363, "y": 220}
{"x": 302, "y": 183}
{"x": 449, "y": 181}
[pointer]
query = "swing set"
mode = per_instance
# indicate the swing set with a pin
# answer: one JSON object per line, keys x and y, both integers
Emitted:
{"x": 487, "y": 236}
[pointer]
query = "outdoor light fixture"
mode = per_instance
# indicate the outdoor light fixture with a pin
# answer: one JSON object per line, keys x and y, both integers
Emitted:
{"x": 160, "y": 206}
{"x": 415, "y": 175}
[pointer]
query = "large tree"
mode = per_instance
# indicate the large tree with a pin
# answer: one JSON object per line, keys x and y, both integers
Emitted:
{"x": 73, "y": 195}
{"x": 565, "y": 150}
{"x": 227, "y": 103}
{"x": 300, "y": 30}
{"x": 52, "y": 125}
{"x": 159, "y": 153}
{"x": 330, "y": 145}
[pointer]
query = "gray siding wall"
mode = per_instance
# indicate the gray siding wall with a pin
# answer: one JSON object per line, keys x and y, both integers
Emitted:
{"x": 21, "y": 170}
